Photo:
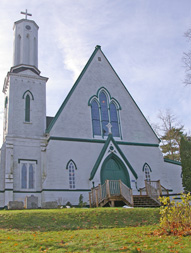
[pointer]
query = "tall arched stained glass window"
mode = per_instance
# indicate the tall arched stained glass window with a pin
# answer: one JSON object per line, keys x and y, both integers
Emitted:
{"x": 114, "y": 120}
{"x": 27, "y": 108}
{"x": 104, "y": 112}
{"x": 95, "y": 118}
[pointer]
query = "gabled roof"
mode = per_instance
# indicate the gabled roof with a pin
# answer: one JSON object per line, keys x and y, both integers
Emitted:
{"x": 110, "y": 139}
{"x": 71, "y": 91}
{"x": 78, "y": 80}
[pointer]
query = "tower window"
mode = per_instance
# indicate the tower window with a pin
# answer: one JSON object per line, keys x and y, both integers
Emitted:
{"x": 28, "y": 96}
{"x": 27, "y": 108}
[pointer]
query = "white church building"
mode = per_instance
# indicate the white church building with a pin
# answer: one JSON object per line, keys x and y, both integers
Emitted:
{"x": 99, "y": 133}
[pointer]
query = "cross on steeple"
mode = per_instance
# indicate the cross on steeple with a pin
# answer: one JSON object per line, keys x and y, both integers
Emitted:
{"x": 26, "y": 14}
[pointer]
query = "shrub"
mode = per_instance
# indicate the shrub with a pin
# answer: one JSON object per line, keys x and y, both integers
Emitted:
{"x": 81, "y": 203}
{"x": 176, "y": 216}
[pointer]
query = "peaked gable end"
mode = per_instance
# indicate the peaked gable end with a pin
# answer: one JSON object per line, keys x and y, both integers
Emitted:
{"x": 75, "y": 114}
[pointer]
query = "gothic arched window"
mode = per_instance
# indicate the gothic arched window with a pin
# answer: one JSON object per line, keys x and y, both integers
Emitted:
{"x": 104, "y": 110}
{"x": 71, "y": 169}
{"x": 95, "y": 118}
{"x": 147, "y": 170}
{"x": 28, "y": 96}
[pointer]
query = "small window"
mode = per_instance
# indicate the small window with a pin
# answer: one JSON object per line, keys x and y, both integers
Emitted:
{"x": 28, "y": 174}
{"x": 147, "y": 170}
{"x": 71, "y": 169}
{"x": 27, "y": 108}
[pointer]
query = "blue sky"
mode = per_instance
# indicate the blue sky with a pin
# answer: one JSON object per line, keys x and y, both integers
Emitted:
{"x": 143, "y": 40}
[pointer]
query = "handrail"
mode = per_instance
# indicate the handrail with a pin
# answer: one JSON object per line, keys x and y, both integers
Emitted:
{"x": 153, "y": 189}
{"x": 111, "y": 188}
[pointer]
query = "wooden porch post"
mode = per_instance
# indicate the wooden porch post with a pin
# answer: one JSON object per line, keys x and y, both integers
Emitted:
{"x": 159, "y": 187}
{"x": 90, "y": 199}
{"x": 120, "y": 187}
{"x": 96, "y": 192}
{"x": 146, "y": 187}
{"x": 107, "y": 188}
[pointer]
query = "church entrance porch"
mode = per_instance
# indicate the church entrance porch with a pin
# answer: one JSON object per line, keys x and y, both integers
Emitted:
{"x": 110, "y": 192}
{"x": 113, "y": 192}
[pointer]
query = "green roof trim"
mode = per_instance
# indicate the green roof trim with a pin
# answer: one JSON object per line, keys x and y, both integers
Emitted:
{"x": 109, "y": 139}
{"x": 72, "y": 89}
{"x": 172, "y": 161}
{"x": 54, "y": 138}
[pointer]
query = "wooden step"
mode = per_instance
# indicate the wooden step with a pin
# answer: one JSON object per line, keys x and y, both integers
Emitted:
{"x": 144, "y": 201}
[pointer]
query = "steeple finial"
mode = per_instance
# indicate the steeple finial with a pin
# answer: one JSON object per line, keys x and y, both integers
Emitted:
{"x": 26, "y": 14}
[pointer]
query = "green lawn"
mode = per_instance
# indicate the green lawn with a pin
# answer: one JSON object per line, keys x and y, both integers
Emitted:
{"x": 86, "y": 230}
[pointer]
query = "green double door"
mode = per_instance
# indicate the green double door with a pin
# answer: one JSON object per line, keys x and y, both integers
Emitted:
{"x": 114, "y": 169}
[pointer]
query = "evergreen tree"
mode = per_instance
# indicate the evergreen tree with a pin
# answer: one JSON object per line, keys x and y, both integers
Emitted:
{"x": 171, "y": 143}
{"x": 185, "y": 153}
{"x": 170, "y": 133}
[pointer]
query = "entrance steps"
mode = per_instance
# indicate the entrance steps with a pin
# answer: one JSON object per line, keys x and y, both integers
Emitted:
{"x": 144, "y": 201}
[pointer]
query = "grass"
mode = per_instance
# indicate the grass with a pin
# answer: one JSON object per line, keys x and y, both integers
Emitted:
{"x": 86, "y": 230}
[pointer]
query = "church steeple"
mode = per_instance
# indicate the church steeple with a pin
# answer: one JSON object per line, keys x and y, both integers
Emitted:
{"x": 25, "y": 43}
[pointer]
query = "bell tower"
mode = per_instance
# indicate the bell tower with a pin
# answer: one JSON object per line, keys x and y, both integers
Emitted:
{"x": 24, "y": 87}
{"x": 25, "y": 43}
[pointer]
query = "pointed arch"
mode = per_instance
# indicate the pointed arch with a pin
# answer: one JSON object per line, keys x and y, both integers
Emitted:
{"x": 68, "y": 163}
{"x": 113, "y": 168}
{"x": 28, "y": 92}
